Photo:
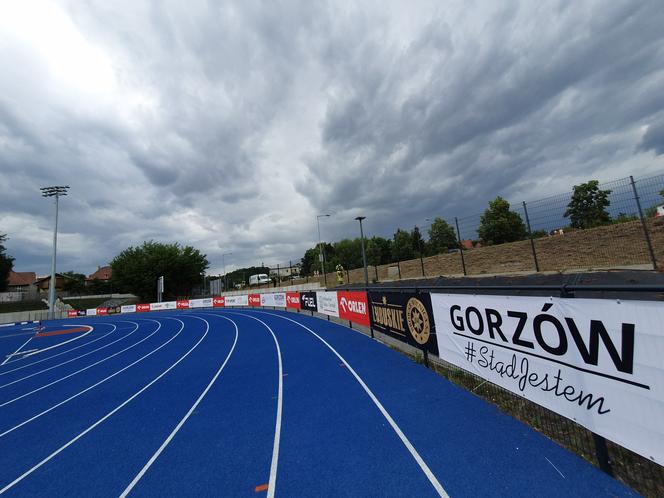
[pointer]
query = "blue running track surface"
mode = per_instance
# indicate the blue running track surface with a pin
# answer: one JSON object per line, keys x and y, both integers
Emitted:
{"x": 240, "y": 402}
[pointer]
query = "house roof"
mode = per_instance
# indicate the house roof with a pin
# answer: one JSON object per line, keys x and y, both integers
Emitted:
{"x": 48, "y": 277}
{"x": 102, "y": 273}
{"x": 21, "y": 278}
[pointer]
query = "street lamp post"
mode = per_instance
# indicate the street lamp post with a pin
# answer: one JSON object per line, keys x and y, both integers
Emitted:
{"x": 320, "y": 247}
{"x": 364, "y": 254}
{"x": 223, "y": 261}
{"x": 55, "y": 191}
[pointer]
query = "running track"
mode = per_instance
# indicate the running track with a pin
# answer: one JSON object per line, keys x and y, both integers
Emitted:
{"x": 255, "y": 403}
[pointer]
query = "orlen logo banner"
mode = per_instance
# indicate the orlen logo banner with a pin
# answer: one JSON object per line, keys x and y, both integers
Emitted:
{"x": 72, "y": 313}
{"x": 142, "y": 307}
{"x": 293, "y": 300}
{"x": 182, "y": 304}
{"x": 218, "y": 302}
{"x": 102, "y": 311}
{"x": 254, "y": 299}
{"x": 353, "y": 306}
{"x": 128, "y": 308}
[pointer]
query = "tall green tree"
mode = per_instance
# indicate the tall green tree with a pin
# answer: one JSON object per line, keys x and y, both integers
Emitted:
{"x": 75, "y": 284}
{"x": 6, "y": 263}
{"x": 418, "y": 241}
{"x": 379, "y": 251}
{"x": 402, "y": 246}
{"x": 136, "y": 269}
{"x": 348, "y": 252}
{"x": 441, "y": 236}
{"x": 499, "y": 224}
{"x": 587, "y": 208}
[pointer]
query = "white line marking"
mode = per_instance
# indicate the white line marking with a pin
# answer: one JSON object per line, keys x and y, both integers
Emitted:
{"x": 15, "y": 352}
{"x": 26, "y": 365}
{"x": 166, "y": 442}
{"x": 77, "y": 371}
{"x": 105, "y": 417}
{"x": 552, "y": 465}
{"x": 271, "y": 487}
{"x": 60, "y": 344}
{"x": 420, "y": 461}
{"x": 72, "y": 359}
{"x": 27, "y": 421}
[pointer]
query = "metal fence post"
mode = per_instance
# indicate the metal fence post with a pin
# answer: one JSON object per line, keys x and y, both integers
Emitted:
{"x": 601, "y": 450}
{"x": 463, "y": 261}
{"x": 646, "y": 234}
{"x": 376, "y": 272}
{"x": 399, "y": 268}
{"x": 530, "y": 234}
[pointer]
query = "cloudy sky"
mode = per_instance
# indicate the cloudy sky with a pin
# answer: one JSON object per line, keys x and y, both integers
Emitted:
{"x": 231, "y": 125}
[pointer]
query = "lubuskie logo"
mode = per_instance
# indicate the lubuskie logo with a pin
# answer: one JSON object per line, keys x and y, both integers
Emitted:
{"x": 353, "y": 306}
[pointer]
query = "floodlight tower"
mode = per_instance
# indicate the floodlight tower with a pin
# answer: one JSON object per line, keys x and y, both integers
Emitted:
{"x": 55, "y": 191}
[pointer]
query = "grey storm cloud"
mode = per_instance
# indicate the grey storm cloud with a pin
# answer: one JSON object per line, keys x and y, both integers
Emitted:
{"x": 229, "y": 126}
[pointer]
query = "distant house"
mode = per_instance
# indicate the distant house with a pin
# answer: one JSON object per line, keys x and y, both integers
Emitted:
{"x": 103, "y": 274}
{"x": 21, "y": 281}
{"x": 43, "y": 283}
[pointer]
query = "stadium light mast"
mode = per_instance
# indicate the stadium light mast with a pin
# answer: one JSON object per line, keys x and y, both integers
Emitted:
{"x": 320, "y": 246}
{"x": 55, "y": 191}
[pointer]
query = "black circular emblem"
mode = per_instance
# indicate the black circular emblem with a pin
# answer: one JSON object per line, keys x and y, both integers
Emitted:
{"x": 418, "y": 320}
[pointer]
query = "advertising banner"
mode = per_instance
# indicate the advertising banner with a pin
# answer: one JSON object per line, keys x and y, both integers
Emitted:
{"x": 167, "y": 305}
{"x": 80, "y": 312}
{"x": 218, "y": 302}
{"x": 201, "y": 303}
{"x": 91, "y": 312}
{"x": 327, "y": 303}
{"x": 353, "y": 306}
{"x": 254, "y": 299}
{"x": 102, "y": 311}
{"x": 293, "y": 300}
{"x": 308, "y": 301}
{"x": 128, "y": 308}
{"x": 276, "y": 300}
{"x": 595, "y": 361}
{"x": 112, "y": 310}
{"x": 142, "y": 307}
{"x": 182, "y": 304}
{"x": 72, "y": 313}
{"x": 406, "y": 316}
{"x": 242, "y": 300}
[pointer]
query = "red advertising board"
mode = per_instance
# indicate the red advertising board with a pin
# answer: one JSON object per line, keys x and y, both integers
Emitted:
{"x": 219, "y": 302}
{"x": 102, "y": 311}
{"x": 72, "y": 313}
{"x": 293, "y": 300}
{"x": 142, "y": 307}
{"x": 353, "y": 306}
{"x": 182, "y": 304}
{"x": 254, "y": 299}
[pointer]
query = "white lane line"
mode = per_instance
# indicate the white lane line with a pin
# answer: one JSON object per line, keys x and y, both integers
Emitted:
{"x": 166, "y": 442}
{"x": 552, "y": 465}
{"x": 272, "y": 483}
{"x": 26, "y": 365}
{"x": 60, "y": 344}
{"x": 420, "y": 461}
{"x": 15, "y": 352}
{"x": 34, "y": 417}
{"x": 105, "y": 417}
{"x": 57, "y": 381}
{"x": 72, "y": 359}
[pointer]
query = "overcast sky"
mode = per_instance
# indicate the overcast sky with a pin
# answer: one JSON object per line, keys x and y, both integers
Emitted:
{"x": 230, "y": 125}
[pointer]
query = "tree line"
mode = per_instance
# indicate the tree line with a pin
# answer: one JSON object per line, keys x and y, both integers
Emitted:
{"x": 499, "y": 224}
